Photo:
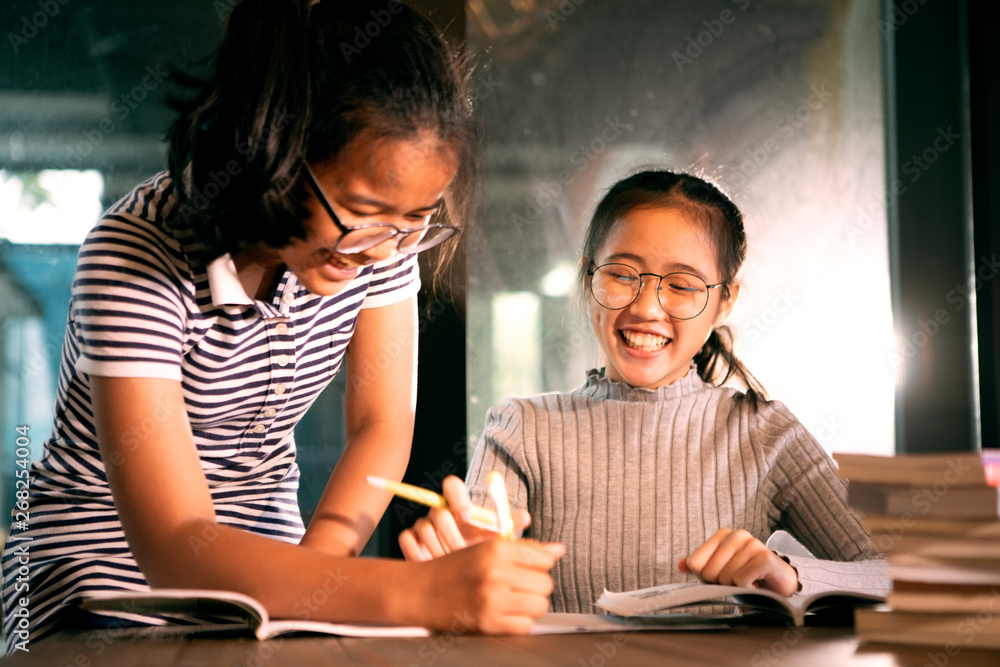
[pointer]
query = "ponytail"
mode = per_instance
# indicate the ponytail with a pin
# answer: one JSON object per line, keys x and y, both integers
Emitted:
{"x": 716, "y": 363}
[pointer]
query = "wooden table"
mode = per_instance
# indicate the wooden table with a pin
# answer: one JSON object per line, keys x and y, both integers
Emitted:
{"x": 754, "y": 646}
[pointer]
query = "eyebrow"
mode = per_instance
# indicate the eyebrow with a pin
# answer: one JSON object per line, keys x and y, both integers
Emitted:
{"x": 366, "y": 201}
{"x": 677, "y": 266}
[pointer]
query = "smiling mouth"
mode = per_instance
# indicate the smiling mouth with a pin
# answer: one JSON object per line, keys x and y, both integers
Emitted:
{"x": 337, "y": 260}
{"x": 645, "y": 342}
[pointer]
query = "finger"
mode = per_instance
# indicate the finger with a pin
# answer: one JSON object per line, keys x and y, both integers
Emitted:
{"x": 454, "y": 491}
{"x": 522, "y": 519}
{"x": 724, "y": 553}
{"x": 743, "y": 567}
{"x": 777, "y": 575}
{"x": 531, "y": 582}
{"x": 428, "y": 536}
{"x": 536, "y": 555}
{"x": 698, "y": 558}
{"x": 753, "y": 571}
{"x": 411, "y": 549}
{"x": 528, "y": 604}
{"x": 446, "y": 528}
{"x": 507, "y": 624}
{"x": 514, "y": 614}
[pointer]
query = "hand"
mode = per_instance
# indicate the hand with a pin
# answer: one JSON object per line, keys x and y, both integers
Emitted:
{"x": 737, "y": 558}
{"x": 495, "y": 587}
{"x": 443, "y": 531}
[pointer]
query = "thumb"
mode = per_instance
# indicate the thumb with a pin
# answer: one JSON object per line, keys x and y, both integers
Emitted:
{"x": 522, "y": 519}
{"x": 682, "y": 565}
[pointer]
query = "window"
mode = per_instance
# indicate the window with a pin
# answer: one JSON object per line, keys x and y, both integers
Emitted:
{"x": 780, "y": 104}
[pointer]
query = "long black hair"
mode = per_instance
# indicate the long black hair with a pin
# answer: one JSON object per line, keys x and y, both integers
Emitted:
{"x": 298, "y": 80}
{"x": 716, "y": 362}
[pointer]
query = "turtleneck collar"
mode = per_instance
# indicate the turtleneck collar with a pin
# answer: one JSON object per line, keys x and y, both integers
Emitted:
{"x": 599, "y": 386}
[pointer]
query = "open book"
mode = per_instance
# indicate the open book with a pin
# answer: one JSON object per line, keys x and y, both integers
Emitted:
{"x": 668, "y": 596}
{"x": 226, "y": 611}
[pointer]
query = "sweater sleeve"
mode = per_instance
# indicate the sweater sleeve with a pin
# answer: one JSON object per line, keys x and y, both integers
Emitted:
{"x": 811, "y": 504}
{"x": 500, "y": 448}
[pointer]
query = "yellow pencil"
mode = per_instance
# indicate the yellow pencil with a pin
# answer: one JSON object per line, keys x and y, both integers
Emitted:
{"x": 481, "y": 517}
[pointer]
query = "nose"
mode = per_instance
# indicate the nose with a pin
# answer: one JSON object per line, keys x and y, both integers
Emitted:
{"x": 647, "y": 302}
{"x": 382, "y": 251}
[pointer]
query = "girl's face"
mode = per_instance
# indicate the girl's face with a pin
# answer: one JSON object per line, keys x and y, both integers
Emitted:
{"x": 642, "y": 344}
{"x": 397, "y": 181}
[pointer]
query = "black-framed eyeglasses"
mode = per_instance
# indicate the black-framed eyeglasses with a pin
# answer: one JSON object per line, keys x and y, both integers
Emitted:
{"x": 682, "y": 295}
{"x": 358, "y": 238}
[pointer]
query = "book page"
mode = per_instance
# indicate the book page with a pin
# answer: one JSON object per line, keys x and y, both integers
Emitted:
{"x": 660, "y": 598}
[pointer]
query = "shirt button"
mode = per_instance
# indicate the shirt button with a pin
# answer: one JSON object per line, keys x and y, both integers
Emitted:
{"x": 288, "y": 297}
{"x": 282, "y": 359}
{"x": 258, "y": 429}
{"x": 280, "y": 389}
{"x": 270, "y": 412}
{"x": 281, "y": 329}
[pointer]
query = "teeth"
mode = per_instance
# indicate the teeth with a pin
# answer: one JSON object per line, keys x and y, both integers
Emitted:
{"x": 643, "y": 341}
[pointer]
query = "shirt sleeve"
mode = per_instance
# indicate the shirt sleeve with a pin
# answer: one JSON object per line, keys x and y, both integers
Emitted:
{"x": 127, "y": 312}
{"x": 812, "y": 505}
{"x": 394, "y": 280}
{"x": 498, "y": 449}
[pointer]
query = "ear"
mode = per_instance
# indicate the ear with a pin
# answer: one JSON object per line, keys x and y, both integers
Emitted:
{"x": 726, "y": 307}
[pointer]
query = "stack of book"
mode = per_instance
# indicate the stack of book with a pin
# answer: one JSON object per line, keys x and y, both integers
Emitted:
{"x": 937, "y": 519}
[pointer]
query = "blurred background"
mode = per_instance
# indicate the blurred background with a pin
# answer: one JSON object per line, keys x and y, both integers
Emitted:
{"x": 858, "y": 138}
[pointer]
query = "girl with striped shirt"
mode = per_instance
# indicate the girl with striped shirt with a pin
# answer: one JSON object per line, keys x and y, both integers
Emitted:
{"x": 212, "y": 305}
{"x": 653, "y": 472}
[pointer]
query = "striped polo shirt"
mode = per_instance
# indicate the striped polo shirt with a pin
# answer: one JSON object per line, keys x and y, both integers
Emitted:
{"x": 143, "y": 306}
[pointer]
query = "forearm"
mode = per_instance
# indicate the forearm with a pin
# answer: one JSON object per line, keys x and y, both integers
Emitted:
{"x": 291, "y": 581}
{"x": 496, "y": 586}
{"x": 350, "y": 508}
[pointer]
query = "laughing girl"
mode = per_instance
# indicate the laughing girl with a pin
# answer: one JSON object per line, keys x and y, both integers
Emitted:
{"x": 653, "y": 471}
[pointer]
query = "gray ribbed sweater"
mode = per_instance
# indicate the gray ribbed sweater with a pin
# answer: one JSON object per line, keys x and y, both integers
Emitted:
{"x": 632, "y": 480}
